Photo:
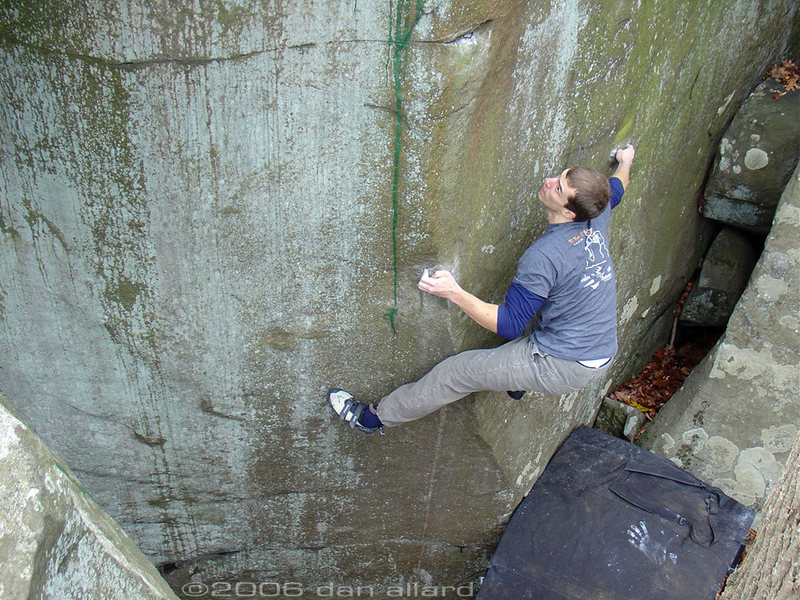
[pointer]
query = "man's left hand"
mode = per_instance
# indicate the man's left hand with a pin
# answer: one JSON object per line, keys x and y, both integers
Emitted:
{"x": 441, "y": 283}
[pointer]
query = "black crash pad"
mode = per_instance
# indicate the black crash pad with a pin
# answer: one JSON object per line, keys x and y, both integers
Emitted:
{"x": 610, "y": 520}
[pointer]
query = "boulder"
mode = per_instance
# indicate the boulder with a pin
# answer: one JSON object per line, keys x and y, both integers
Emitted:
{"x": 619, "y": 419}
{"x": 56, "y": 541}
{"x": 726, "y": 269}
{"x": 214, "y": 214}
{"x": 755, "y": 159}
{"x": 735, "y": 419}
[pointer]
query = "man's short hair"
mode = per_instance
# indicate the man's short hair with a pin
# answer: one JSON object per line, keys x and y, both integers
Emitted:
{"x": 592, "y": 193}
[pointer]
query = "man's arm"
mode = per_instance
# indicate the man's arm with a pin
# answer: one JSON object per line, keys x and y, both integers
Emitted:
{"x": 624, "y": 157}
{"x": 444, "y": 285}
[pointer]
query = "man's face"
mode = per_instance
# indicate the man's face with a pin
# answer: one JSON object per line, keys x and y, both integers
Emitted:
{"x": 555, "y": 192}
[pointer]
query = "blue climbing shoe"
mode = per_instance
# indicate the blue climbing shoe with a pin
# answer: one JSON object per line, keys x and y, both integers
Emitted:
{"x": 349, "y": 410}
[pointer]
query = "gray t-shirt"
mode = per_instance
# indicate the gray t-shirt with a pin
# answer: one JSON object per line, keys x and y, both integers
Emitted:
{"x": 570, "y": 266}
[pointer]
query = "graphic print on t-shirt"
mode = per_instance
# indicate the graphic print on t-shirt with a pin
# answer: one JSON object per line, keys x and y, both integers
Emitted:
{"x": 598, "y": 266}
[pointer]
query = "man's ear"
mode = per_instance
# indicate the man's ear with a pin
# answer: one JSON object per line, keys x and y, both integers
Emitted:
{"x": 568, "y": 214}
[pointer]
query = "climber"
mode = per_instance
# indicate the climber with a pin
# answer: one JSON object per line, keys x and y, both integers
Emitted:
{"x": 566, "y": 276}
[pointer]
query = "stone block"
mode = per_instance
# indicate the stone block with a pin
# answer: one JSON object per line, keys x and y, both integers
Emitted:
{"x": 619, "y": 419}
{"x": 199, "y": 217}
{"x": 56, "y": 542}
{"x": 723, "y": 277}
{"x": 734, "y": 420}
{"x": 755, "y": 160}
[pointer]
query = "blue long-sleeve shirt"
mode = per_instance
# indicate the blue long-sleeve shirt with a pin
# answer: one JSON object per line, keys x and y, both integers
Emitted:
{"x": 517, "y": 310}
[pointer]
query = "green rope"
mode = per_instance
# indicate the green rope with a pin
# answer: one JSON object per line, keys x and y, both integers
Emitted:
{"x": 399, "y": 36}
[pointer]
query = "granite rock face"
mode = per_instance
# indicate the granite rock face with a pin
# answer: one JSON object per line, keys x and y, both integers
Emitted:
{"x": 756, "y": 158}
{"x": 213, "y": 212}
{"x": 734, "y": 421}
{"x": 56, "y": 542}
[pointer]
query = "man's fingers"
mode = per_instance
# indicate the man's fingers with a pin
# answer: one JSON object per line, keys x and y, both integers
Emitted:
{"x": 426, "y": 281}
{"x": 426, "y": 287}
{"x": 427, "y": 276}
{"x": 625, "y": 153}
{"x": 438, "y": 284}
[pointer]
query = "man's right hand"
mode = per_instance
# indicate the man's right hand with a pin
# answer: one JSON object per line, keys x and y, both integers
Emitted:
{"x": 625, "y": 155}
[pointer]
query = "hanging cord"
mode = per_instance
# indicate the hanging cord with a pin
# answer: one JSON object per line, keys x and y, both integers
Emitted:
{"x": 399, "y": 36}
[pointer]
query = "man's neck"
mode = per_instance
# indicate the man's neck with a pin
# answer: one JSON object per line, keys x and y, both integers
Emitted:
{"x": 555, "y": 218}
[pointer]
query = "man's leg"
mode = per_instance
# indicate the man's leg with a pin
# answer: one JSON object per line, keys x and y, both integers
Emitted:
{"x": 516, "y": 365}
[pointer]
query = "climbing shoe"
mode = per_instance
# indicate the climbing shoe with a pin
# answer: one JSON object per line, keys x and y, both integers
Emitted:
{"x": 517, "y": 395}
{"x": 349, "y": 410}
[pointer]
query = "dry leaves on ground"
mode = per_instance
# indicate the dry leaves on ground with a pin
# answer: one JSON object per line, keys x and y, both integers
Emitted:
{"x": 662, "y": 376}
{"x": 787, "y": 74}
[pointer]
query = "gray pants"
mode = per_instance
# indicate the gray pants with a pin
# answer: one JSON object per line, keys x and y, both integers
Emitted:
{"x": 516, "y": 365}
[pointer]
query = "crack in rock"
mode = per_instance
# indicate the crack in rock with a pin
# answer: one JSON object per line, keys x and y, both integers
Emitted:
{"x": 193, "y": 61}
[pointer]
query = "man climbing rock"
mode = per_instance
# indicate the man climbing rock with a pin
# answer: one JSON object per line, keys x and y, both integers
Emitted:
{"x": 566, "y": 276}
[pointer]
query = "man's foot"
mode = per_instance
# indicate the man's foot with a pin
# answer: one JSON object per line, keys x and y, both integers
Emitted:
{"x": 516, "y": 395}
{"x": 349, "y": 410}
